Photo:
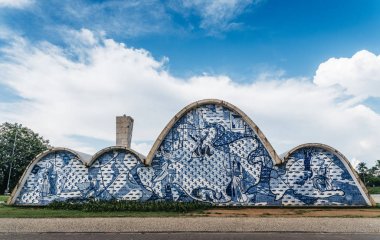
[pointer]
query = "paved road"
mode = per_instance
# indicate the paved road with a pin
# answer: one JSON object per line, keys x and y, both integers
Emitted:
{"x": 190, "y": 224}
{"x": 192, "y": 236}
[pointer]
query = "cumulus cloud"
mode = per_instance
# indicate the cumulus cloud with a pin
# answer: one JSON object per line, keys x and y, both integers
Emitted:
{"x": 358, "y": 75}
{"x": 15, "y": 3}
{"x": 66, "y": 96}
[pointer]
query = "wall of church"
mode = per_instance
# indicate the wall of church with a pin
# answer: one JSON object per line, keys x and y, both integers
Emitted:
{"x": 210, "y": 154}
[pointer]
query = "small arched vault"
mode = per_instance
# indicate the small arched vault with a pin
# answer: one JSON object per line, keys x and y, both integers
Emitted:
{"x": 333, "y": 166}
{"x": 60, "y": 174}
{"x": 210, "y": 151}
{"x": 35, "y": 185}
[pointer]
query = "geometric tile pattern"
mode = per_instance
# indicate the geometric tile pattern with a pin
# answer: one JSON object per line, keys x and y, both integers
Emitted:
{"x": 60, "y": 175}
{"x": 210, "y": 154}
{"x": 315, "y": 176}
{"x": 57, "y": 176}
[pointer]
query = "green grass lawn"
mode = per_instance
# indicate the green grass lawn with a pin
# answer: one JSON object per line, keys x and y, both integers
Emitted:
{"x": 373, "y": 190}
{"x": 41, "y": 212}
{"x": 3, "y": 198}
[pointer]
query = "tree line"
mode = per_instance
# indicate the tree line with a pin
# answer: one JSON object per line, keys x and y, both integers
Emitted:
{"x": 369, "y": 175}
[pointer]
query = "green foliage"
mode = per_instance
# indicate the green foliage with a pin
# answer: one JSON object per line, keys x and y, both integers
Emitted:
{"x": 26, "y": 144}
{"x": 3, "y": 198}
{"x": 133, "y": 206}
{"x": 373, "y": 181}
{"x": 374, "y": 190}
{"x": 362, "y": 167}
{"x": 369, "y": 176}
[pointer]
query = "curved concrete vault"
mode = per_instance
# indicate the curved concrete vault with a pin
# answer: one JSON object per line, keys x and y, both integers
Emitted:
{"x": 210, "y": 151}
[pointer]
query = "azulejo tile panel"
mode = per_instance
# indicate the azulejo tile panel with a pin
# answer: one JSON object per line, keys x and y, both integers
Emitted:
{"x": 210, "y": 154}
{"x": 60, "y": 176}
{"x": 57, "y": 176}
{"x": 315, "y": 176}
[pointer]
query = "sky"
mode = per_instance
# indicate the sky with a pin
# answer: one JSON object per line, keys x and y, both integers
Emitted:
{"x": 303, "y": 71}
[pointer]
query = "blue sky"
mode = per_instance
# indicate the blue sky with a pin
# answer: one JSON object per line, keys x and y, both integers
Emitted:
{"x": 290, "y": 36}
{"x": 273, "y": 45}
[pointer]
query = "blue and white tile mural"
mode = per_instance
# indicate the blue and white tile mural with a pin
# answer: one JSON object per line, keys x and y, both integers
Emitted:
{"x": 60, "y": 175}
{"x": 57, "y": 176}
{"x": 210, "y": 154}
{"x": 314, "y": 176}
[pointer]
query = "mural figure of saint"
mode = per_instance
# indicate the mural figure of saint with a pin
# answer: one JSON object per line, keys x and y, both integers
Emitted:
{"x": 237, "y": 193}
{"x": 45, "y": 187}
{"x": 321, "y": 181}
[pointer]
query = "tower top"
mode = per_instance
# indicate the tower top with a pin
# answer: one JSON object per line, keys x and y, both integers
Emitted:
{"x": 124, "y": 128}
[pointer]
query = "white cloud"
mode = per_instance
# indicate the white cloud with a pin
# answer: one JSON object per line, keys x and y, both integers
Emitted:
{"x": 135, "y": 18}
{"x": 143, "y": 147}
{"x": 66, "y": 96}
{"x": 358, "y": 75}
{"x": 123, "y": 18}
{"x": 216, "y": 16}
{"x": 83, "y": 36}
{"x": 15, "y": 3}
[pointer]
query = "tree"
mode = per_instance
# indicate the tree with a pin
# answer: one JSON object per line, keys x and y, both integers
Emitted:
{"x": 18, "y": 147}
{"x": 362, "y": 168}
{"x": 363, "y": 171}
{"x": 377, "y": 166}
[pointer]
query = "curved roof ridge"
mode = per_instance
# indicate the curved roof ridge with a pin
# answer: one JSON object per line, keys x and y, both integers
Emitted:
{"x": 285, "y": 156}
{"x": 16, "y": 191}
{"x": 140, "y": 156}
{"x": 165, "y": 131}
